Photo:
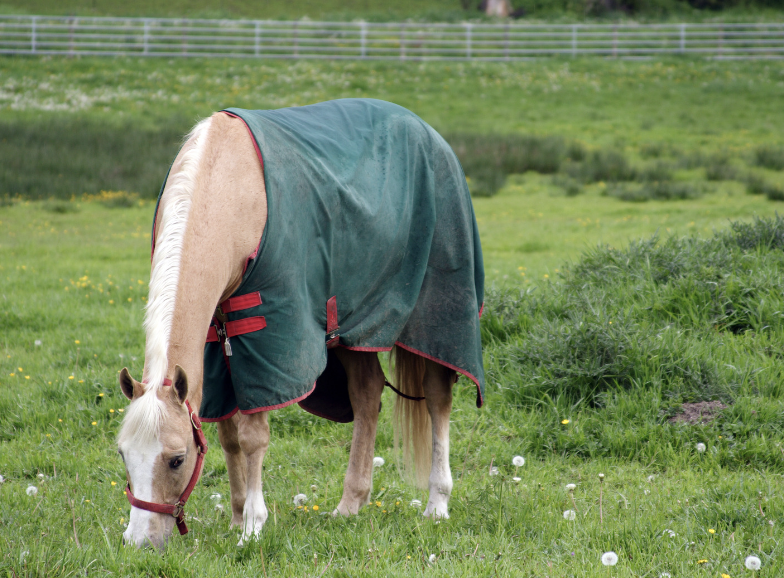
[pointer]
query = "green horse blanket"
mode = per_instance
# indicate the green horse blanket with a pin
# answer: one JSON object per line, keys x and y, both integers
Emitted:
{"x": 370, "y": 242}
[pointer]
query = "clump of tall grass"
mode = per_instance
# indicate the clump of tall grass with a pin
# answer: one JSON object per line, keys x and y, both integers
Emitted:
{"x": 488, "y": 159}
{"x": 719, "y": 168}
{"x": 770, "y": 157}
{"x": 654, "y": 191}
{"x": 757, "y": 184}
{"x": 646, "y": 317}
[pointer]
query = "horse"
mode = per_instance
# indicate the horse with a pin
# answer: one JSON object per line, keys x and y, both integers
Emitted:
{"x": 348, "y": 227}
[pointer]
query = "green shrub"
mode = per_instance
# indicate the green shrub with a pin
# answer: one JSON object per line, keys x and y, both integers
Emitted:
{"x": 770, "y": 157}
{"x": 719, "y": 168}
{"x": 570, "y": 186}
{"x": 488, "y": 159}
{"x": 649, "y": 316}
{"x": 653, "y": 150}
{"x": 757, "y": 184}
{"x": 605, "y": 165}
{"x": 654, "y": 191}
{"x": 654, "y": 172}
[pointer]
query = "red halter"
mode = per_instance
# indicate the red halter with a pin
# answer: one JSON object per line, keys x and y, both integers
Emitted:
{"x": 178, "y": 510}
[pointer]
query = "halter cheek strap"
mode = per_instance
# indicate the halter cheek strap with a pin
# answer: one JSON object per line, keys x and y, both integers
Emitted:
{"x": 178, "y": 510}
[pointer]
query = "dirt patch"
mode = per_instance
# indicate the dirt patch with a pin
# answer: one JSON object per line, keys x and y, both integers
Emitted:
{"x": 700, "y": 412}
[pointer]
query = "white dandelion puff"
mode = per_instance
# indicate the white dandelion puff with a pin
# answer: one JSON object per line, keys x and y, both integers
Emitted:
{"x": 609, "y": 558}
{"x": 571, "y": 487}
{"x": 601, "y": 477}
{"x": 665, "y": 575}
{"x": 651, "y": 478}
{"x": 569, "y": 515}
{"x": 518, "y": 461}
{"x": 753, "y": 563}
{"x": 669, "y": 533}
{"x": 516, "y": 479}
{"x": 313, "y": 488}
{"x": 31, "y": 490}
{"x": 432, "y": 559}
{"x": 494, "y": 471}
{"x": 378, "y": 462}
{"x": 40, "y": 476}
{"x": 416, "y": 503}
{"x": 300, "y": 499}
{"x": 216, "y": 497}
{"x": 218, "y": 507}
{"x": 701, "y": 447}
{"x": 2, "y": 479}
{"x": 38, "y": 343}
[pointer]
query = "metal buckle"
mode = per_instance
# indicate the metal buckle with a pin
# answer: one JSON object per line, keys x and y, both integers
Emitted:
{"x": 193, "y": 423}
{"x": 179, "y": 508}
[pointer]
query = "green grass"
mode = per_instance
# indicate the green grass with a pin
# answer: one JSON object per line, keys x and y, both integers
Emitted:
{"x": 696, "y": 315}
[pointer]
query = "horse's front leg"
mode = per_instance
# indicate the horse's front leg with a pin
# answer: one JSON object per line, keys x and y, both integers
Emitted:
{"x": 365, "y": 386}
{"x": 236, "y": 463}
{"x": 438, "y": 393}
{"x": 253, "y": 436}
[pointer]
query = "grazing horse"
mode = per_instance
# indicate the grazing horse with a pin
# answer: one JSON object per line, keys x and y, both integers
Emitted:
{"x": 289, "y": 248}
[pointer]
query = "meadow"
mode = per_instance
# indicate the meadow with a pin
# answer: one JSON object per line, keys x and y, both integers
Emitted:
{"x": 611, "y": 305}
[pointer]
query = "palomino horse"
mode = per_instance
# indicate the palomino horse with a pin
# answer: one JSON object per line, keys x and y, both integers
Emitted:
{"x": 368, "y": 242}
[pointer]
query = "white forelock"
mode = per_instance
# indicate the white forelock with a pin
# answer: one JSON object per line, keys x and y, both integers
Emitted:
{"x": 164, "y": 279}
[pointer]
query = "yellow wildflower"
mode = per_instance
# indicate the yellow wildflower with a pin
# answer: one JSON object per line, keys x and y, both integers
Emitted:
{"x": 77, "y": 341}
{"x": 564, "y": 421}
{"x": 95, "y": 423}
{"x": 114, "y": 483}
{"x": 315, "y": 508}
{"x": 711, "y": 531}
{"x": 702, "y": 561}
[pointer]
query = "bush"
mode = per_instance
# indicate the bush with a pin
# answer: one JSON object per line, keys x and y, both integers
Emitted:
{"x": 488, "y": 159}
{"x": 770, "y": 157}
{"x": 718, "y": 168}
{"x": 654, "y": 191}
{"x": 658, "y": 171}
{"x": 606, "y": 165}
{"x": 649, "y": 316}
{"x": 570, "y": 186}
{"x": 757, "y": 184}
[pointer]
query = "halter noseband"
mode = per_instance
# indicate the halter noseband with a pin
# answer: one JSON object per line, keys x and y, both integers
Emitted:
{"x": 177, "y": 510}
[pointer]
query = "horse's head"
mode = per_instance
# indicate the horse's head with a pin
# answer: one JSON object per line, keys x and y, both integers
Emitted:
{"x": 157, "y": 445}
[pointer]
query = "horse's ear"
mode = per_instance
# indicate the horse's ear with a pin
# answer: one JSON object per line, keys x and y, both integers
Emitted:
{"x": 180, "y": 384}
{"x": 130, "y": 387}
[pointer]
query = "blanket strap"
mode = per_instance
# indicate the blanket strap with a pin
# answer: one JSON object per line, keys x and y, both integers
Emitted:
{"x": 400, "y": 393}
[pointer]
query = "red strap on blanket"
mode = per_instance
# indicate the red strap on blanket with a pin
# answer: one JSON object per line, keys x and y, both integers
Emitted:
{"x": 178, "y": 510}
{"x": 247, "y": 325}
{"x": 332, "y": 314}
{"x": 212, "y": 334}
{"x": 241, "y": 302}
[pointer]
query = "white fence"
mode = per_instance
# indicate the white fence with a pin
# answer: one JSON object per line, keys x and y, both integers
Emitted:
{"x": 358, "y": 40}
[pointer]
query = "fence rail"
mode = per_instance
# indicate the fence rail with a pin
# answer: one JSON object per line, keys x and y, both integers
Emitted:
{"x": 400, "y": 41}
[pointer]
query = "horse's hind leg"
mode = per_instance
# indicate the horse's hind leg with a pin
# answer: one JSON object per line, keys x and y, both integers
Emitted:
{"x": 365, "y": 386}
{"x": 437, "y": 386}
{"x": 253, "y": 436}
{"x": 228, "y": 435}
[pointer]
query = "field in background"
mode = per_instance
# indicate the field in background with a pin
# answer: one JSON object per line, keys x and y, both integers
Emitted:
{"x": 587, "y": 356}
{"x": 427, "y": 10}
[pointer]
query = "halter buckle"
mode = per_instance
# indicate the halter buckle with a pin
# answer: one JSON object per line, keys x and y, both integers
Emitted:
{"x": 179, "y": 509}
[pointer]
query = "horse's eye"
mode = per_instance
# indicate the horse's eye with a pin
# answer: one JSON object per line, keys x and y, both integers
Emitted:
{"x": 175, "y": 463}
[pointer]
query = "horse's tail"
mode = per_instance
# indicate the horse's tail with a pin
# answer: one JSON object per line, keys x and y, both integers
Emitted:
{"x": 411, "y": 421}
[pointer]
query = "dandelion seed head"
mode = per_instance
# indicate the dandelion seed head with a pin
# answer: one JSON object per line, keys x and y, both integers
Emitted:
{"x": 518, "y": 461}
{"x": 40, "y": 476}
{"x": 700, "y": 447}
{"x": 570, "y": 515}
{"x": 753, "y": 563}
{"x": 216, "y": 497}
{"x": 300, "y": 499}
{"x": 494, "y": 471}
{"x": 416, "y": 503}
{"x": 601, "y": 477}
{"x": 651, "y": 478}
{"x": 609, "y": 558}
{"x": 378, "y": 462}
{"x": 432, "y": 559}
{"x": 516, "y": 479}
{"x": 31, "y": 490}
{"x": 571, "y": 487}
{"x": 38, "y": 343}
{"x": 2, "y": 478}
{"x": 313, "y": 487}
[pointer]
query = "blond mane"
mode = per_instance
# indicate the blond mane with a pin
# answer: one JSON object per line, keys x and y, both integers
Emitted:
{"x": 144, "y": 416}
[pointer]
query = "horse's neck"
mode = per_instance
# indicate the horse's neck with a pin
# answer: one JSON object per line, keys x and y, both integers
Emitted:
{"x": 225, "y": 222}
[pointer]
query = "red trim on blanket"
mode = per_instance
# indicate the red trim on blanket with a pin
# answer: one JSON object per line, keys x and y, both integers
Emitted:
{"x": 280, "y": 405}
{"x": 241, "y": 302}
{"x": 449, "y": 365}
{"x": 222, "y": 418}
{"x": 212, "y": 335}
{"x": 332, "y": 314}
{"x": 482, "y": 308}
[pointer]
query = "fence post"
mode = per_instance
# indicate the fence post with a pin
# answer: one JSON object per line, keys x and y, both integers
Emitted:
{"x": 257, "y": 39}
{"x": 296, "y": 39}
{"x": 402, "y": 41}
{"x": 682, "y": 47}
{"x": 468, "y": 27}
{"x": 33, "y": 32}
{"x": 146, "y": 41}
{"x": 71, "y": 30}
{"x": 574, "y": 40}
{"x": 363, "y": 39}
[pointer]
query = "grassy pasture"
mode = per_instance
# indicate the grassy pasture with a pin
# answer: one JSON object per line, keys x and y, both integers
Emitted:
{"x": 613, "y": 338}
